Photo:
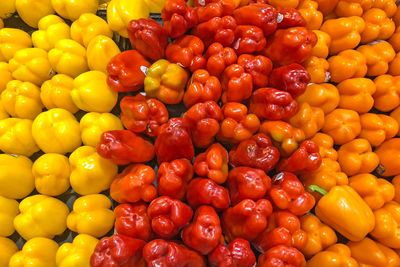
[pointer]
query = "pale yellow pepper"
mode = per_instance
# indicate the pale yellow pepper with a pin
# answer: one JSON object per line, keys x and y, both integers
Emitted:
{"x": 93, "y": 124}
{"x": 68, "y": 57}
{"x": 16, "y": 178}
{"x": 31, "y": 11}
{"x": 5, "y": 75}
{"x": 31, "y": 65}
{"x": 100, "y": 51}
{"x": 90, "y": 173}
{"x": 8, "y": 211}
{"x": 22, "y": 100}
{"x": 52, "y": 29}
{"x": 3, "y": 113}
{"x": 56, "y": 93}
{"x": 37, "y": 252}
{"x": 72, "y": 9}
{"x": 91, "y": 215}
{"x": 12, "y": 40}
{"x": 7, "y": 8}
{"x": 92, "y": 93}
{"x": 7, "y": 249}
{"x": 16, "y": 137}
{"x": 77, "y": 253}
{"x": 56, "y": 131}
{"x": 51, "y": 172}
{"x": 89, "y": 26}
{"x": 41, "y": 216}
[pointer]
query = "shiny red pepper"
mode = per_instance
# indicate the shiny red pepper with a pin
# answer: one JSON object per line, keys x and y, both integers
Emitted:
{"x": 290, "y": 17}
{"x": 292, "y": 78}
{"x": 219, "y": 58}
{"x": 178, "y": 17}
{"x": 148, "y": 37}
{"x": 259, "y": 67}
{"x": 237, "y": 85}
{"x": 124, "y": 147}
{"x": 217, "y": 29}
{"x": 237, "y": 253}
{"x": 207, "y": 192}
{"x": 249, "y": 39}
{"x": 132, "y": 220}
{"x": 125, "y": 71}
{"x": 305, "y": 159}
{"x": 282, "y": 256}
{"x": 209, "y": 9}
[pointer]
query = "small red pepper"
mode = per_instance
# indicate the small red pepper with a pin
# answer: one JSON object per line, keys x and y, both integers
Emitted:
{"x": 249, "y": 39}
{"x": 178, "y": 17}
{"x": 290, "y": 17}
{"x": 305, "y": 159}
{"x": 237, "y": 85}
{"x": 282, "y": 256}
{"x": 217, "y": 29}
{"x": 206, "y": 192}
{"x": 123, "y": 147}
{"x": 125, "y": 71}
{"x": 219, "y": 58}
{"x": 259, "y": 67}
{"x": 132, "y": 220}
{"x": 292, "y": 78}
{"x": 237, "y": 253}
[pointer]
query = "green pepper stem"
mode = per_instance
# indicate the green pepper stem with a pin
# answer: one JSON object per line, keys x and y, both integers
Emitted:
{"x": 316, "y": 188}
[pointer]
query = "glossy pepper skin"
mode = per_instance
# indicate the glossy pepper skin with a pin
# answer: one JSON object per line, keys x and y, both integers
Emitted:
{"x": 347, "y": 64}
{"x": 8, "y": 248}
{"x": 237, "y": 85}
{"x": 36, "y": 252}
{"x": 207, "y": 192}
{"x": 214, "y": 8}
{"x": 259, "y": 67}
{"x": 118, "y": 250}
{"x": 12, "y": 40}
{"x": 291, "y": 17}
{"x": 249, "y": 39}
{"x": 387, "y": 219}
{"x": 387, "y": 94}
{"x": 308, "y": 119}
{"x": 311, "y": 15}
{"x": 217, "y": 29}
{"x": 132, "y": 220}
{"x": 8, "y": 211}
{"x": 134, "y": 184}
{"x": 148, "y": 38}
{"x": 281, "y": 256}
{"x": 168, "y": 216}
{"x": 218, "y": 58}
{"x": 317, "y": 68}
{"x": 305, "y": 159}
{"x": 237, "y": 253}
{"x": 178, "y": 18}
{"x": 51, "y": 29}
{"x": 42, "y": 8}
{"x": 378, "y": 26}
{"x": 335, "y": 255}
{"x": 87, "y": 27}
{"x": 16, "y": 137}
{"x": 100, "y": 50}
{"x": 356, "y": 94}
{"x": 292, "y": 78}
{"x": 378, "y": 57}
{"x": 77, "y": 252}
{"x": 343, "y": 125}
{"x": 187, "y": 51}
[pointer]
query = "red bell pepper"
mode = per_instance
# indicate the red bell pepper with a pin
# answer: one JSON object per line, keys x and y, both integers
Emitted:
{"x": 219, "y": 58}
{"x": 217, "y": 29}
{"x": 187, "y": 51}
{"x": 143, "y": 115}
{"x": 237, "y": 85}
{"x": 126, "y": 71}
{"x": 259, "y": 67}
{"x": 203, "y": 120}
{"x": 148, "y": 37}
{"x": 173, "y": 177}
{"x": 247, "y": 219}
{"x": 202, "y": 87}
{"x": 238, "y": 253}
{"x": 249, "y": 39}
{"x": 204, "y": 233}
{"x": 174, "y": 141}
{"x": 168, "y": 216}
{"x": 178, "y": 17}
{"x": 123, "y": 147}
{"x": 213, "y": 163}
{"x": 208, "y": 9}
{"x": 305, "y": 159}
{"x": 288, "y": 193}
{"x": 290, "y": 17}
{"x": 206, "y": 192}
{"x": 292, "y": 78}
{"x": 273, "y": 104}
{"x": 132, "y": 220}
{"x": 118, "y": 250}
{"x": 257, "y": 152}
{"x": 134, "y": 184}
{"x": 282, "y": 256}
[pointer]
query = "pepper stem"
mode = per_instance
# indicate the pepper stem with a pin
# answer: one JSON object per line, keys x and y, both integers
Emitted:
{"x": 316, "y": 188}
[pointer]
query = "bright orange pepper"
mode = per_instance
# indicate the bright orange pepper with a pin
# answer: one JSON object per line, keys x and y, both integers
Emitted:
{"x": 347, "y": 64}
{"x": 389, "y": 157}
{"x": 281, "y": 4}
{"x": 324, "y": 96}
{"x": 318, "y": 69}
{"x": 395, "y": 114}
{"x": 356, "y": 94}
{"x": 389, "y": 6}
{"x": 377, "y": 26}
{"x": 387, "y": 95}
{"x": 321, "y": 49}
{"x": 335, "y": 256}
{"x": 309, "y": 11}
{"x": 396, "y": 17}
{"x": 377, "y": 128}
{"x": 309, "y": 119}
{"x": 326, "y": 6}
{"x": 387, "y": 225}
{"x": 348, "y": 8}
{"x": 394, "y": 40}
{"x": 394, "y": 66}
{"x": 343, "y": 125}
{"x": 378, "y": 56}
{"x": 325, "y": 144}
{"x": 396, "y": 184}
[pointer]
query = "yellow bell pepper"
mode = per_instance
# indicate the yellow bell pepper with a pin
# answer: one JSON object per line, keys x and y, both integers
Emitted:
{"x": 16, "y": 178}
{"x": 92, "y": 93}
{"x": 155, "y": 6}
{"x": 56, "y": 131}
{"x": 389, "y": 6}
{"x": 121, "y": 12}
{"x": 68, "y": 57}
{"x": 5, "y": 75}
{"x": 72, "y": 9}
{"x": 52, "y": 29}
{"x": 51, "y": 172}
{"x": 90, "y": 173}
{"x": 347, "y": 64}
{"x": 31, "y": 65}
{"x": 7, "y": 8}
{"x": 8, "y": 211}
{"x": 378, "y": 56}
{"x": 77, "y": 253}
{"x": 377, "y": 26}
{"x": 387, "y": 95}
{"x": 93, "y": 124}
{"x": 100, "y": 51}
{"x": 7, "y": 249}
{"x": 337, "y": 255}
{"x": 321, "y": 49}
{"x": 309, "y": 11}
{"x": 324, "y": 96}
{"x": 37, "y": 252}
{"x": 16, "y": 137}
{"x": 3, "y": 113}
{"x": 318, "y": 69}
{"x": 32, "y": 11}
{"x": 12, "y": 40}
{"x": 348, "y": 8}
{"x": 91, "y": 215}
{"x": 56, "y": 93}
{"x": 356, "y": 94}
{"x": 22, "y": 100}
{"x": 88, "y": 26}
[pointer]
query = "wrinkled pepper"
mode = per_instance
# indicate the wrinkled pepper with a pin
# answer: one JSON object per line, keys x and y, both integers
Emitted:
{"x": 259, "y": 67}
{"x": 132, "y": 220}
{"x": 219, "y": 58}
{"x": 217, "y": 29}
{"x": 207, "y": 192}
{"x": 178, "y": 18}
{"x": 305, "y": 159}
{"x": 292, "y": 78}
{"x": 213, "y": 163}
{"x": 236, "y": 253}
{"x": 237, "y": 85}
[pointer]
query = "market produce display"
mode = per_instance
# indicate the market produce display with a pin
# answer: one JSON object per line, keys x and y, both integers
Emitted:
{"x": 174, "y": 133}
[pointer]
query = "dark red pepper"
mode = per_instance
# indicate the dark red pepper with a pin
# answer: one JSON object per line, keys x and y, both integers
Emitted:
{"x": 237, "y": 253}
{"x": 132, "y": 220}
{"x": 290, "y": 17}
{"x": 259, "y": 67}
{"x": 217, "y": 29}
{"x": 292, "y": 78}
{"x": 249, "y": 39}
{"x": 206, "y": 192}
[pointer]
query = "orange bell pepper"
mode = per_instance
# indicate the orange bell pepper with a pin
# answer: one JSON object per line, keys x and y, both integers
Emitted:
{"x": 347, "y": 64}
{"x": 309, "y": 11}
{"x": 324, "y": 96}
{"x": 394, "y": 66}
{"x": 343, "y": 125}
{"x": 387, "y": 95}
{"x": 282, "y": 4}
{"x": 389, "y": 6}
{"x": 309, "y": 119}
{"x": 375, "y": 192}
{"x": 395, "y": 114}
{"x": 377, "y": 26}
{"x": 394, "y": 40}
{"x": 356, "y": 94}
{"x": 347, "y": 8}
{"x": 325, "y": 144}
{"x": 389, "y": 157}
{"x": 387, "y": 225}
{"x": 335, "y": 256}
{"x": 378, "y": 56}
{"x": 377, "y": 128}
{"x": 396, "y": 184}
{"x": 396, "y": 17}
{"x": 318, "y": 69}
{"x": 326, "y": 6}
{"x": 321, "y": 49}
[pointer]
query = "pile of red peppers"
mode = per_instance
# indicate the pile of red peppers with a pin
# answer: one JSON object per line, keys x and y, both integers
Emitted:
{"x": 226, "y": 191}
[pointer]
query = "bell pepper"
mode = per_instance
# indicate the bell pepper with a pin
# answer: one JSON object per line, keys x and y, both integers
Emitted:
{"x": 290, "y": 17}
{"x": 218, "y": 59}
{"x": 396, "y": 185}
{"x": 378, "y": 56}
{"x": 377, "y": 26}
{"x": 325, "y": 144}
{"x": 209, "y": 9}
{"x": 237, "y": 85}
{"x": 280, "y": 4}
{"x": 22, "y": 100}
{"x": 86, "y": 25}
{"x": 166, "y": 81}
{"x": 36, "y": 252}
{"x": 293, "y": 45}
{"x": 135, "y": 183}
{"x": 321, "y": 49}
{"x": 72, "y": 11}
{"x": 281, "y": 256}
{"x": 7, "y": 9}
{"x": 387, "y": 94}
{"x": 292, "y": 78}
{"x": 51, "y": 172}
{"x": 394, "y": 39}
{"x": 52, "y": 28}
{"x": 42, "y": 8}
{"x": 394, "y": 66}
{"x": 310, "y": 13}
{"x": 3, "y": 113}
{"x": 347, "y": 64}
{"x": 324, "y": 96}
{"x": 132, "y": 220}
{"x": 387, "y": 219}
{"x": 166, "y": 253}
{"x": 326, "y": 6}
{"x": 377, "y": 128}
{"x": 12, "y": 40}
{"x": 207, "y": 192}
{"x": 395, "y": 114}
{"x": 100, "y": 50}
{"x": 204, "y": 233}
{"x": 77, "y": 252}
{"x": 356, "y": 94}
{"x": 388, "y": 152}
{"x": 348, "y": 8}
{"x": 93, "y": 124}
{"x": 5, "y": 75}
{"x": 259, "y": 67}
{"x": 8, "y": 211}
{"x": 178, "y": 18}
{"x": 343, "y": 125}
{"x": 90, "y": 173}
{"x": 305, "y": 159}
{"x": 249, "y": 39}
{"x": 213, "y": 163}
{"x": 335, "y": 255}
{"x": 236, "y": 253}
{"x": 91, "y": 215}
{"x": 217, "y": 29}
{"x": 308, "y": 119}
{"x": 41, "y": 216}
{"x": 8, "y": 249}
{"x": 118, "y": 250}
{"x": 256, "y": 152}
{"x": 389, "y": 6}
{"x": 339, "y": 207}
{"x": 317, "y": 69}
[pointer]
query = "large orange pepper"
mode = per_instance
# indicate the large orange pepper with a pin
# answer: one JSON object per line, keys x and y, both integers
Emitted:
{"x": 309, "y": 119}
{"x": 395, "y": 114}
{"x": 326, "y": 6}
{"x": 335, "y": 256}
{"x": 377, "y": 128}
{"x": 394, "y": 40}
{"x": 394, "y": 65}
{"x": 378, "y": 56}
{"x": 377, "y": 26}
{"x": 389, "y": 157}
{"x": 309, "y": 11}
{"x": 343, "y": 125}
{"x": 347, "y": 8}
{"x": 389, "y": 6}
{"x": 324, "y": 96}
{"x": 325, "y": 144}
{"x": 387, "y": 225}
{"x": 318, "y": 69}
{"x": 396, "y": 184}
{"x": 347, "y": 64}
{"x": 356, "y": 94}
{"x": 387, "y": 95}
{"x": 321, "y": 49}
